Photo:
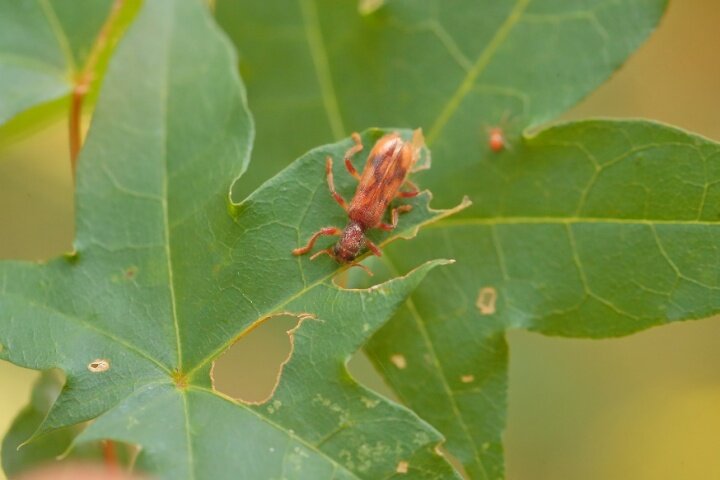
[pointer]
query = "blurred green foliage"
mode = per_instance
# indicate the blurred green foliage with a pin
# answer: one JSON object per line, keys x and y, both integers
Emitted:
{"x": 638, "y": 408}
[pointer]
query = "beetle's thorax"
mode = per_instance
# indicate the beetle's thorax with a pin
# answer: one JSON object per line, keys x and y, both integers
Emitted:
{"x": 351, "y": 242}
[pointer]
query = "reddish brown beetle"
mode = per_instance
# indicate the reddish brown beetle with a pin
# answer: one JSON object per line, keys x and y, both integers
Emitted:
{"x": 385, "y": 172}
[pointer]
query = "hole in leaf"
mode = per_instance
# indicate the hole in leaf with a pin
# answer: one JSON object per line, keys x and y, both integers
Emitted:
{"x": 98, "y": 366}
{"x": 363, "y": 371}
{"x": 36, "y": 192}
{"x": 250, "y": 369}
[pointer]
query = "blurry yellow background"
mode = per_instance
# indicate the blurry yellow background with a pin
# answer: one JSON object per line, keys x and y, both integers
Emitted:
{"x": 643, "y": 407}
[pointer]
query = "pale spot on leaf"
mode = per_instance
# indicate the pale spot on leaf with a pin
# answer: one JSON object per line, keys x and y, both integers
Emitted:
{"x": 486, "y": 300}
{"x": 402, "y": 467}
{"x": 343, "y": 415}
{"x": 274, "y": 406}
{"x": 467, "y": 378}
{"x": 399, "y": 361}
{"x": 370, "y": 402}
{"x": 98, "y": 366}
{"x": 131, "y": 272}
{"x": 420, "y": 438}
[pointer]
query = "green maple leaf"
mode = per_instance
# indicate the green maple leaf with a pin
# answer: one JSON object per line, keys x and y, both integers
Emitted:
{"x": 591, "y": 229}
{"x": 508, "y": 63}
{"x": 576, "y": 249}
{"x": 168, "y": 272}
{"x": 44, "y": 46}
{"x": 52, "y": 445}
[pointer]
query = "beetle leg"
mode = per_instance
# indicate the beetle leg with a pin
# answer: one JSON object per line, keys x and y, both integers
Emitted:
{"x": 326, "y": 251}
{"x": 331, "y": 184}
{"x": 413, "y": 192}
{"x": 373, "y": 248}
{"x": 360, "y": 265}
{"x": 325, "y": 231}
{"x": 394, "y": 216}
{"x": 350, "y": 153}
{"x": 329, "y": 253}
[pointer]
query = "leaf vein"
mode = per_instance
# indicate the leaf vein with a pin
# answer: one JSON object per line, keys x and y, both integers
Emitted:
{"x": 439, "y": 368}
{"x": 59, "y": 33}
{"x": 478, "y": 67}
{"x": 301, "y": 440}
{"x": 316, "y": 45}
{"x": 164, "y": 202}
{"x": 89, "y": 326}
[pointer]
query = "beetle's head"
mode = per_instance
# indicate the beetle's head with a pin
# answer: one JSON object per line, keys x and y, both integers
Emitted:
{"x": 351, "y": 242}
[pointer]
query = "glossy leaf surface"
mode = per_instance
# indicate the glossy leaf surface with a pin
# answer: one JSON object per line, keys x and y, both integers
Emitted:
{"x": 594, "y": 229}
{"x": 559, "y": 220}
{"x": 453, "y": 68}
{"x": 168, "y": 272}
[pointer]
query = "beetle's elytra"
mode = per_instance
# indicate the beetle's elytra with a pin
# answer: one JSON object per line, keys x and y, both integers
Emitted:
{"x": 383, "y": 176}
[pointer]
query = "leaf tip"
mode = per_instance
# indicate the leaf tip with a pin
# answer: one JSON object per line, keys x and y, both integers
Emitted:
{"x": 30, "y": 439}
{"x": 71, "y": 257}
{"x": 464, "y": 203}
{"x": 414, "y": 276}
{"x": 65, "y": 453}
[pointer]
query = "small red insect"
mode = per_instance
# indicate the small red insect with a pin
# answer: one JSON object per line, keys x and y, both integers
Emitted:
{"x": 496, "y": 139}
{"x": 385, "y": 172}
